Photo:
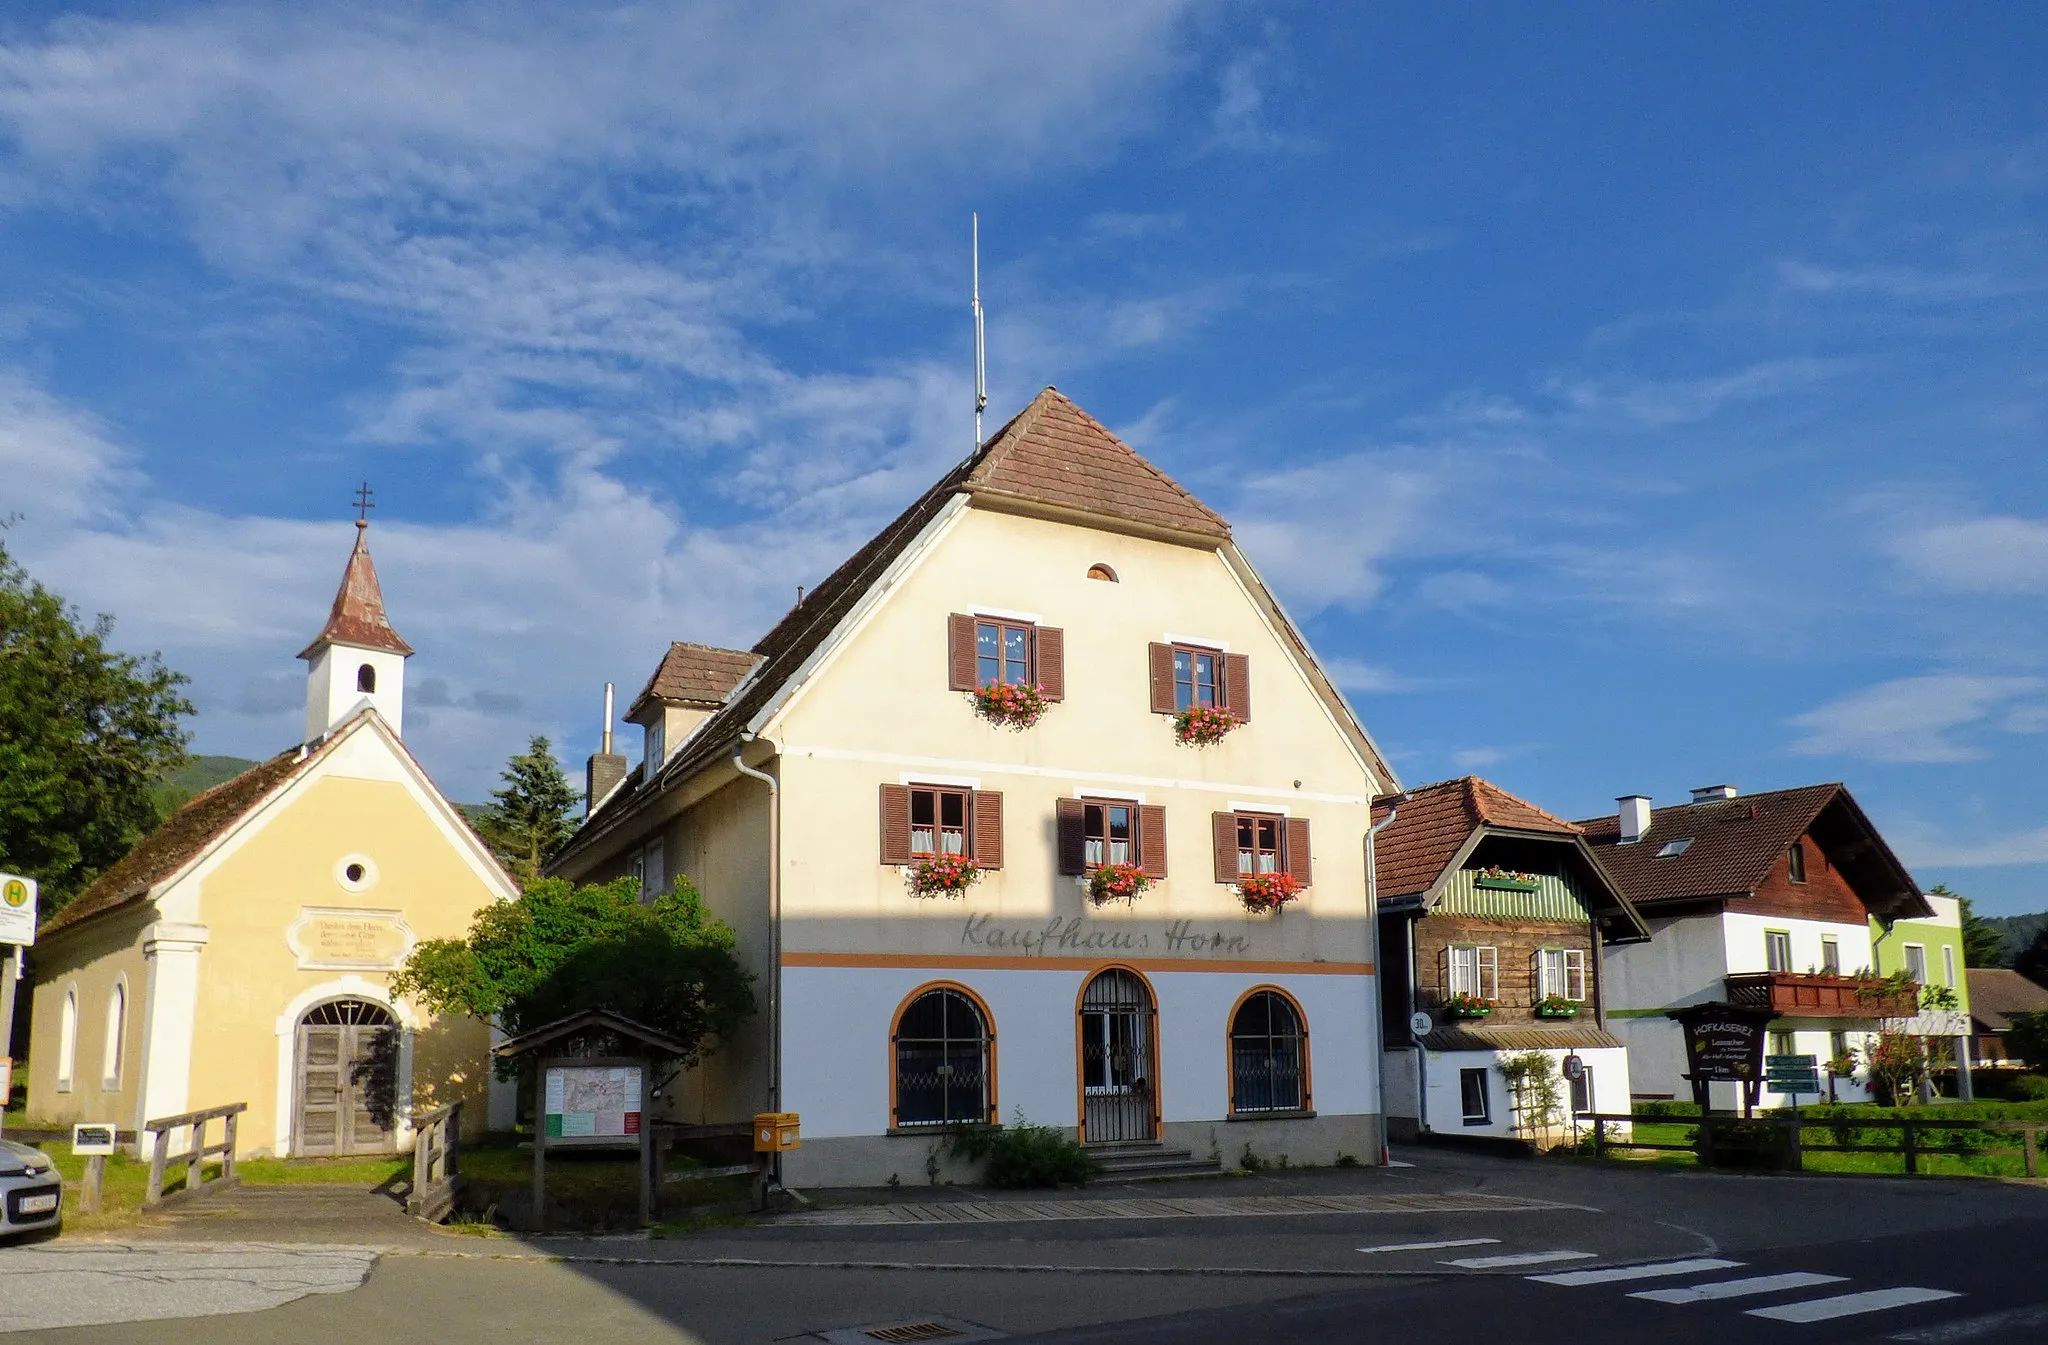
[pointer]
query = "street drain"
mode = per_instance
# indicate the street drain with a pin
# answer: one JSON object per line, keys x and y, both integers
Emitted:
{"x": 915, "y": 1331}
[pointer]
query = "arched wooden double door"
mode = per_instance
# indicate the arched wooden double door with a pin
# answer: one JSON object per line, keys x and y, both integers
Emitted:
{"x": 346, "y": 1084}
{"x": 1119, "y": 1059}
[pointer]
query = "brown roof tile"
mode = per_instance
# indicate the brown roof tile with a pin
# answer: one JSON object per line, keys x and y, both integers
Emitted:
{"x": 697, "y": 674}
{"x": 358, "y": 617}
{"x": 1736, "y": 842}
{"x": 1432, "y": 825}
{"x": 184, "y": 834}
{"x": 1997, "y": 993}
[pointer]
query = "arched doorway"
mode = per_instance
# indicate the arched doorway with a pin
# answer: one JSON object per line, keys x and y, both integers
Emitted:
{"x": 346, "y": 1080}
{"x": 1119, "y": 1094}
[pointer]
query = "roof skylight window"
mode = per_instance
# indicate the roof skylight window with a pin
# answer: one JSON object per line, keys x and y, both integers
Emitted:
{"x": 1673, "y": 849}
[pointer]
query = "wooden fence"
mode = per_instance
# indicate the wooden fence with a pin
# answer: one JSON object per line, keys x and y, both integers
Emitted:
{"x": 436, "y": 1163}
{"x": 1789, "y": 1137}
{"x": 157, "y": 1139}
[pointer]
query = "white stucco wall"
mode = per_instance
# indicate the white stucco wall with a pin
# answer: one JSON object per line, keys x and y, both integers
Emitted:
{"x": 1744, "y": 938}
{"x": 1609, "y": 1064}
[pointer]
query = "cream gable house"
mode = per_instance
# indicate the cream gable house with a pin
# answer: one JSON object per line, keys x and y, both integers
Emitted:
{"x": 242, "y": 952}
{"x": 846, "y": 748}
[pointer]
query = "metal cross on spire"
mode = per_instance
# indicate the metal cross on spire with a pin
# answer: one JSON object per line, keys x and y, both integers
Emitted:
{"x": 364, "y": 504}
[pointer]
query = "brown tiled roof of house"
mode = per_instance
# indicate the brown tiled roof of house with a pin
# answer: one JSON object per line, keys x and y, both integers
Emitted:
{"x": 1051, "y": 454}
{"x": 357, "y": 617}
{"x": 1432, "y": 825}
{"x": 1997, "y": 993}
{"x": 183, "y": 835}
{"x": 697, "y": 674}
{"x": 1736, "y": 842}
{"x": 1054, "y": 453}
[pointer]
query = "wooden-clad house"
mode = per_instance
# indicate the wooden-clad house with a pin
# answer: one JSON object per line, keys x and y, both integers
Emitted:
{"x": 1494, "y": 921}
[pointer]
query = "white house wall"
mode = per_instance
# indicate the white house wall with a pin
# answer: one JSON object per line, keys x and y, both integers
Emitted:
{"x": 1744, "y": 936}
{"x": 1610, "y": 1066}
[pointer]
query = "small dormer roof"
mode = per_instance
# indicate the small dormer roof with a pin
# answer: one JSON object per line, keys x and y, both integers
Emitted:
{"x": 357, "y": 618}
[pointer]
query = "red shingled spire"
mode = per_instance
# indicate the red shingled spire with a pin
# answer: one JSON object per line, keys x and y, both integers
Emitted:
{"x": 358, "y": 615}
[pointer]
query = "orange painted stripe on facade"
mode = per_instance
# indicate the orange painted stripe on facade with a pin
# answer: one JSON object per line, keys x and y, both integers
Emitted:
{"x": 986, "y": 962}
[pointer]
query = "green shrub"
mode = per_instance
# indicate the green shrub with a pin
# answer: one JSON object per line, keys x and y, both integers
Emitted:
{"x": 1651, "y": 1111}
{"x": 2028, "y": 1088}
{"x": 1022, "y": 1155}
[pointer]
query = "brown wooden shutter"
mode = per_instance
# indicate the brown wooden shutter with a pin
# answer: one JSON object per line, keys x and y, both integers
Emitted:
{"x": 1152, "y": 840}
{"x": 1224, "y": 826}
{"x": 1162, "y": 679}
{"x": 895, "y": 824}
{"x": 988, "y": 828}
{"x": 1051, "y": 654}
{"x": 1237, "y": 685}
{"x": 1071, "y": 819}
{"x": 1297, "y": 855}
{"x": 960, "y": 652}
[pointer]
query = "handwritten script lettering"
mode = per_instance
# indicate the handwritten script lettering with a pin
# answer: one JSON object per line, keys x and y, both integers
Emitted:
{"x": 1072, "y": 935}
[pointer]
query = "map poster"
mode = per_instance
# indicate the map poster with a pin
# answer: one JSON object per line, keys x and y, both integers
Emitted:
{"x": 593, "y": 1102}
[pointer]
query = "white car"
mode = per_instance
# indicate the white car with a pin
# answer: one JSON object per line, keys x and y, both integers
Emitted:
{"x": 31, "y": 1193}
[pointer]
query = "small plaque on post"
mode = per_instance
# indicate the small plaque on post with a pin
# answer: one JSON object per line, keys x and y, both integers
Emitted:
{"x": 93, "y": 1139}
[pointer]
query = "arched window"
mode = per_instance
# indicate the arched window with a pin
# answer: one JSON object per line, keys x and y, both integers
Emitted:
{"x": 1102, "y": 572}
{"x": 366, "y": 678}
{"x": 67, "y": 1040}
{"x": 1268, "y": 1055}
{"x": 117, "y": 1030}
{"x": 944, "y": 1054}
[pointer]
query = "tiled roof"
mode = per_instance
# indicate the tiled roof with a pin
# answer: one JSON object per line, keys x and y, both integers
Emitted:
{"x": 184, "y": 834}
{"x": 1054, "y": 453}
{"x": 1480, "y": 1037}
{"x": 1432, "y": 825}
{"x": 697, "y": 674}
{"x": 1996, "y": 994}
{"x": 1051, "y": 453}
{"x": 1736, "y": 842}
{"x": 358, "y": 614}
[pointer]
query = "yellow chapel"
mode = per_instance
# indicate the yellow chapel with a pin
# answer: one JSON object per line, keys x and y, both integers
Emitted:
{"x": 243, "y": 951}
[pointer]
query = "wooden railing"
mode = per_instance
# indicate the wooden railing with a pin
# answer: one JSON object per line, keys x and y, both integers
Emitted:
{"x": 436, "y": 1163}
{"x": 157, "y": 1138}
{"x": 1918, "y": 1137}
{"x": 1819, "y": 994}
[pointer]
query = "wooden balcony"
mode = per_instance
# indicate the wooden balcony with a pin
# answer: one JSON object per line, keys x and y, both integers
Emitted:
{"x": 1817, "y": 994}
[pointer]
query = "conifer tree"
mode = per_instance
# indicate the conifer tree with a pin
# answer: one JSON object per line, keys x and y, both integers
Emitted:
{"x": 528, "y": 820}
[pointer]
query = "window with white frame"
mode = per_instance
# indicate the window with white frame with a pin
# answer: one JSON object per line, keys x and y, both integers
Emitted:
{"x": 1561, "y": 972}
{"x": 1916, "y": 962}
{"x": 1472, "y": 1093}
{"x": 117, "y": 1031}
{"x": 1948, "y": 964}
{"x": 1474, "y": 969}
{"x": 67, "y": 1041}
{"x": 1777, "y": 950}
{"x": 1831, "y": 954}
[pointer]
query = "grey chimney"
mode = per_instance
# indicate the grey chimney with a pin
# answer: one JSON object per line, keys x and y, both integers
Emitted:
{"x": 606, "y": 768}
{"x": 1714, "y": 793}
{"x": 1635, "y": 817}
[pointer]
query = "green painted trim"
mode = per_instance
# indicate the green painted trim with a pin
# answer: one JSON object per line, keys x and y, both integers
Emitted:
{"x": 1635, "y": 1013}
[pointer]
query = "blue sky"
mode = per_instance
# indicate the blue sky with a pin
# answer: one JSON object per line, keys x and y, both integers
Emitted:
{"x": 1626, "y": 398}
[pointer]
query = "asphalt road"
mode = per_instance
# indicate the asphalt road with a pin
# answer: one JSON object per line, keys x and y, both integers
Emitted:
{"x": 1959, "y": 1258}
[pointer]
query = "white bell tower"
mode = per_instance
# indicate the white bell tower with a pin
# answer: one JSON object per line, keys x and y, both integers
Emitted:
{"x": 356, "y": 657}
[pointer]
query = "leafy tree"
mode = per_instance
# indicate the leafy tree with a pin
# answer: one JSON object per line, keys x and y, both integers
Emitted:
{"x": 1983, "y": 945}
{"x": 528, "y": 820}
{"x": 2028, "y": 1038}
{"x": 85, "y": 733}
{"x": 2032, "y": 962}
{"x": 1893, "y": 1064}
{"x": 560, "y": 949}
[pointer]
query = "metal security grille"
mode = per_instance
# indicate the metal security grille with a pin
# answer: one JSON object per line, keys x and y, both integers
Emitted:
{"x": 900, "y": 1335}
{"x": 942, "y": 1050}
{"x": 1268, "y": 1056}
{"x": 1116, "y": 1059}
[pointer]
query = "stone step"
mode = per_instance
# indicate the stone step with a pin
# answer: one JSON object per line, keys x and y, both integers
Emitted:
{"x": 1134, "y": 1160}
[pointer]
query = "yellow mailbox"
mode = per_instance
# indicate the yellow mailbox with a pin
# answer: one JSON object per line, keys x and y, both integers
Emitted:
{"x": 776, "y": 1131}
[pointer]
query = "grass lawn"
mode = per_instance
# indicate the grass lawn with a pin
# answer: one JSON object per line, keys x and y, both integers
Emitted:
{"x": 597, "y": 1189}
{"x": 127, "y": 1179}
{"x": 1941, "y": 1152}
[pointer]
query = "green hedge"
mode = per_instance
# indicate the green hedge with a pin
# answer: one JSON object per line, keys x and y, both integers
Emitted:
{"x": 1838, "y": 1125}
{"x": 1651, "y": 1111}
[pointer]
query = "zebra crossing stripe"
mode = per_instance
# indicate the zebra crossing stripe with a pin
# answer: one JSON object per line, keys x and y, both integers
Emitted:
{"x": 1745, "y": 1288}
{"x": 1515, "y": 1259}
{"x": 1849, "y": 1305}
{"x": 1620, "y": 1274}
{"x": 1428, "y": 1246}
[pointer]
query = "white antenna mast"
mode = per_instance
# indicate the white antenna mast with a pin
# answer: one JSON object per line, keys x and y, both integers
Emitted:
{"x": 980, "y": 342}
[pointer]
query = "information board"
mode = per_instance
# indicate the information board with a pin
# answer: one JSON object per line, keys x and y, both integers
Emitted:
{"x": 17, "y": 911}
{"x": 1724, "y": 1043}
{"x": 593, "y": 1103}
{"x": 1792, "y": 1074}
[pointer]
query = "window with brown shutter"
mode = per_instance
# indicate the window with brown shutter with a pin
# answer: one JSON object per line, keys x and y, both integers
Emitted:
{"x": 960, "y": 652}
{"x": 1251, "y": 843}
{"x": 926, "y": 821}
{"x": 1152, "y": 839}
{"x": 983, "y": 651}
{"x": 1049, "y": 659}
{"x": 1237, "y": 686}
{"x": 1185, "y": 676}
{"x": 1070, "y": 816}
{"x": 1160, "y": 664}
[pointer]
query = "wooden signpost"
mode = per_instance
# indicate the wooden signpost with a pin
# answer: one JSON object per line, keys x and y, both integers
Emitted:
{"x": 17, "y": 931}
{"x": 1724, "y": 1043}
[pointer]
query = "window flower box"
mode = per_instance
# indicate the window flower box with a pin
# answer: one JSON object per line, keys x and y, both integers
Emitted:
{"x": 1012, "y": 705}
{"x": 1262, "y": 892}
{"x": 1506, "y": 880}
{"x": 1117, "y": 882}
{"x": 1462, "y": 1005}
{"x": 1556, "y": 1006}
{"x": 1203, "y": 725}
{"x": 943, "y": 876}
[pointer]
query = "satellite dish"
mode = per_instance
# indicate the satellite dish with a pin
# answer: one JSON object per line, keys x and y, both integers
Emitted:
{"x": 1421, "y": 1024}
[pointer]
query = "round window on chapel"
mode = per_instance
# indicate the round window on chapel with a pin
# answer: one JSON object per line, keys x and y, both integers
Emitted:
{"x": 1102, "y": 572}
{"x": 355, "y": 873}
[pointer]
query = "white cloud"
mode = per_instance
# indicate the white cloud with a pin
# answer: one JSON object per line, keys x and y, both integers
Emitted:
{"x": 1980, "y": 555}
{"x": 1911, "y": 719}
{"x": 1662, "y": 403}
{"x": 58, "y": 463}
{"x": 1364, "y": 679}
{"x": 1908, "y": 284}
{"x": 1477, "y": 758}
